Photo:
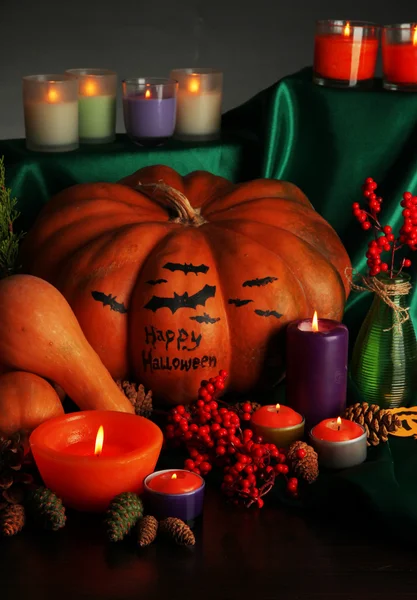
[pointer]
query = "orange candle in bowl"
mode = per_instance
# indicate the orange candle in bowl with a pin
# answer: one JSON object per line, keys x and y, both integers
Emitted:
{"x": 345, "y": 53}
{"x": 399, "y": 56}
{"x": 278, "y": 424}
{"x": 86, "y": 472}
{"x": 339, "y": 443}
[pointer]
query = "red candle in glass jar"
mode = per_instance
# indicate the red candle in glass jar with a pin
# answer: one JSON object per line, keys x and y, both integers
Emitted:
{"x": 345, "y": 54}
{"x": 177, "y": 482}
{"x": 337, "y": 430}
{"x": 399, "y": 59}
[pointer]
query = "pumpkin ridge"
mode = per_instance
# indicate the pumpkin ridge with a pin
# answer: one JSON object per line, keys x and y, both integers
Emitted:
{"x": 309, "y": 209}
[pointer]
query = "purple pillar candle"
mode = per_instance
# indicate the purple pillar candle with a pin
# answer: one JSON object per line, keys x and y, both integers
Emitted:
{"x": 174, "y": 493}
{"x": 149, "y": 109}
{"x": 316, "y": 369}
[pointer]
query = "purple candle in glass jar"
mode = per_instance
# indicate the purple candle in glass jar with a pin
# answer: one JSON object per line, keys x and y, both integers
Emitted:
{"x": 149, "y": 109}
{"x": 316, "y": 368}
{"x": 174, "y": 493}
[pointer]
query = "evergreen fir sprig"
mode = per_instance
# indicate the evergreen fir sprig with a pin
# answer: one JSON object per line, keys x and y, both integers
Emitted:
{"x": 9, "y": 239}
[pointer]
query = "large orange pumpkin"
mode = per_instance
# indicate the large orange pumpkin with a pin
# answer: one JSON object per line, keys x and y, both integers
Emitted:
{"x": 172, "y": 278}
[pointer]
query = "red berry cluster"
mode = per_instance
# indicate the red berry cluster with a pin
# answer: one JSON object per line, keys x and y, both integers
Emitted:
{"x": 385, "y": 240}
{"x": 212, "y": 436}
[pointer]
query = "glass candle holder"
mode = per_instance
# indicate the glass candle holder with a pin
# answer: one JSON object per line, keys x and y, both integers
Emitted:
{"x": 399, "y": 57}
{"x": 199, "y": 106}
{"x": 345, "y": 53}
{"x": 50, "y": 104}
{"x": 149, "y": 108}
{"x": 96, "y": 104}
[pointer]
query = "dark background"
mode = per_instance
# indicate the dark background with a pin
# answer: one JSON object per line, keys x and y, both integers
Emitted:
{"x": 254, "y": 42}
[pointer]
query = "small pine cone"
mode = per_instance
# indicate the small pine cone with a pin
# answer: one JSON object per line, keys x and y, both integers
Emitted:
{"x": 378, "y": 422}
{"x": 47, "y": 509}
{"x": 136, "y": 395}
{"x": 124, "y": 512}
{"x": 306, "y": 468}
{"x": 147, "y": 531}
{"x": 239, "y": 407}
{"x": 12, "y": 519}
{"x": 178, "y": 531}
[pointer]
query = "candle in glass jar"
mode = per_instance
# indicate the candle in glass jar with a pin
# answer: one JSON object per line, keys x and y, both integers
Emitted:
{"x": 199, "y": 104}
{"x": 339, "y": 443}
{"x": 345, "y": 53}
{"x": 399, "y": 56}
{"x": 278, "y": 424}
{"x": 96, "y": 104}
{"x": 174, "y": 493}
{"x": 51, "y": 113}
{"x": 316, "y": 368}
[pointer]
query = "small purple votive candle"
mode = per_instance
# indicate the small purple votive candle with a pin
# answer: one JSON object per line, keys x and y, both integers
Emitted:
{"x": 149, "y": 109}
{"x": 174, "y": 493}
{"x": 316, "y": 368}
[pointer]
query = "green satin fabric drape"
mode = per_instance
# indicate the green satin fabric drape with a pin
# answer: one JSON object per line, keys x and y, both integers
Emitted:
{"x": 327, "y": 142}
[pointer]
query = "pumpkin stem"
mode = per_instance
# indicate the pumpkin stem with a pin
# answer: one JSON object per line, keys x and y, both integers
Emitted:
{"x": 175, "y": 201}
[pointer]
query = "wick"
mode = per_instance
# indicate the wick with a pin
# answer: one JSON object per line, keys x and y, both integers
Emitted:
{"x": 338, "y": 428}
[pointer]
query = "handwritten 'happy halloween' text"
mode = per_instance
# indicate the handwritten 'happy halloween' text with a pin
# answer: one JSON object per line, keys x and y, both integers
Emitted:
{"x": 182, "y": 338}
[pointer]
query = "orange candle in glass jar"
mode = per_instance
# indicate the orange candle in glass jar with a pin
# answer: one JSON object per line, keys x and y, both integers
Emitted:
{"x": 88, "y": 458}
{"x": 345, "y": 55}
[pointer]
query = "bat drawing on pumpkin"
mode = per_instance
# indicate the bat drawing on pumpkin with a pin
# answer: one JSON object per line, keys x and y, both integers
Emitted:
{"x": 205, "y": 318}
{"x": 259, "y": 282}
{"x": 186, "y": 268}
{"x": 237, "y": 302}
{"x": 178, "y": 301}
{"x": 156, "y": 281}
{"x": 109, "y": 300}
{"x": 268, "y": 313}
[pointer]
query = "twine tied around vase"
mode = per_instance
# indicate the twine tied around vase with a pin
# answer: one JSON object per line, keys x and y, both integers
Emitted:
{"x": 385, "y": 291}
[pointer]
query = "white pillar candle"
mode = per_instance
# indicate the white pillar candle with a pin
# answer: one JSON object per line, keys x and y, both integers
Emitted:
{"x": 51, "y": 114}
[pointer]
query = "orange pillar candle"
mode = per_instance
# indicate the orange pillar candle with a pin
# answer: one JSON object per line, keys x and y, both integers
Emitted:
{"x": 278, "y": 424}
{"x": 339, "y": 443}
{"x": 399, "y": 57}
{"x": 86, "y": 472}
{"x": 345, "y": 53}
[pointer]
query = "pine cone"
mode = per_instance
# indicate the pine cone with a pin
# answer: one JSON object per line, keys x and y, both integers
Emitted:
{"x": 136, "y": 395}
{"x": 239, "y": 408}
{"x": 47, "y": 509}
{"x": 306, "y": 468}
{"x": 13, "y": 480}
{"x": 147, "y": 531}
{"x": 378, "y": 422}
{"x": 178, "y": 531}
{"x": 124, "y": 512}
{"x": 12, "y": 519}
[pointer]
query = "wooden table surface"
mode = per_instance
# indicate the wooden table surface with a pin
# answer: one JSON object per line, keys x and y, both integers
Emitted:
{"x": 242, "y": 554}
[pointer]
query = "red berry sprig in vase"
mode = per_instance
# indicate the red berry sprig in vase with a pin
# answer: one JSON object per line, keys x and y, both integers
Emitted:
{"x": 213, "y": 438}
{"x": 384, "y": 239}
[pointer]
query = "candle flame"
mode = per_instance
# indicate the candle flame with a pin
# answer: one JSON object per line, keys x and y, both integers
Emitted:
{"x": 174, "y": 476}
{"x": 338, "y": 423}
{"x": 99, "y": 441}
{"x": 346, "y": 30}
{"x": 315, "y": 322}
{"x": 90, "y": 88}
{"x": 277, "y": 407}
{"x": 53, "y": 95}
{"x": 194, "y": 85}
{"x": 148, "y": 94}
{"x": 415, "y": 36}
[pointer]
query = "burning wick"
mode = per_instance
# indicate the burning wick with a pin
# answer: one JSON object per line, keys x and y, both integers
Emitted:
{"x": 346, "y": 30}
{"x": 315, "y": 322}
{"x": 339, "y": 423}
{"x": 194, "y": 85}
{"x": 53, "y": 95}
{"x": 148, "y": 94}
{"x": 99, "y": 441}
{"x": 415, "y": 36}
{"x": 277, "y": 408}
{"x": 174, "y": 476}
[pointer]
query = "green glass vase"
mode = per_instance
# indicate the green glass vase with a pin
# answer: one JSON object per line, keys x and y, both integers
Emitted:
{"x": 384, "y": 360}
